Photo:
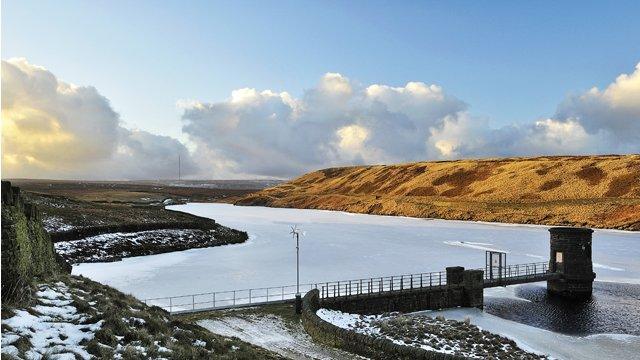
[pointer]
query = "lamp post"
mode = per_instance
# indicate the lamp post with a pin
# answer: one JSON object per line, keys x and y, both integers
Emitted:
{"x": 295, "y": 232}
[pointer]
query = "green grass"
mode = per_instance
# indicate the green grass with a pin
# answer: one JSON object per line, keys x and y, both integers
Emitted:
{"x": 286, "y": 312}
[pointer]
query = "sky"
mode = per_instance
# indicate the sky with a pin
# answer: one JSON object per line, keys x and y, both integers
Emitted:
{"x": 495, "y": 78}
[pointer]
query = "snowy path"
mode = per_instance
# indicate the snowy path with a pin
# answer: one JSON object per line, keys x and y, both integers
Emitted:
{"x": 271, "y": 333}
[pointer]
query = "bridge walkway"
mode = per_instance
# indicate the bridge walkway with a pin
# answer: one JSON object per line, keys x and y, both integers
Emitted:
{"x": 219, "y": 300}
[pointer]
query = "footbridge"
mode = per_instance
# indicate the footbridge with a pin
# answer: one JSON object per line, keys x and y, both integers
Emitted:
{"x": 568, "y": 272}
{"x": 341, "y": 289}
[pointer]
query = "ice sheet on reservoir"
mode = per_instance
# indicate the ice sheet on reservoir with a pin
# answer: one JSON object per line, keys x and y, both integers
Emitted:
{"x": 559, "y": 346}
{"x": 340, "y": 246}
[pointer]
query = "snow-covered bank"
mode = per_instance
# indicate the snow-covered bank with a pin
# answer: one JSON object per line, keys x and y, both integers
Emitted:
{"x": 75, "y": 318}
{"x": 432, "y": 334}
{"x": 53, "y": 326}
{"x": 596, "y": 347}
{"x": 116, "y": 246}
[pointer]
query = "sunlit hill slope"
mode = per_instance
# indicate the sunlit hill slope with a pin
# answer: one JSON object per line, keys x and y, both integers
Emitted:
{"x": 595, "y": 191}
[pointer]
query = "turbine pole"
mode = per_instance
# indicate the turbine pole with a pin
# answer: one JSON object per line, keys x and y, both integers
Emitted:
{"x": 296, "y": 235}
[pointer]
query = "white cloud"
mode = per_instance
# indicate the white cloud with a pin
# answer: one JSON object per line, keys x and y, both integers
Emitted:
{"x": 613, "y": 112}
{"x": 53, "y": 129}
{"x": 335, "y": 123}
{"x": 339, "y": 123}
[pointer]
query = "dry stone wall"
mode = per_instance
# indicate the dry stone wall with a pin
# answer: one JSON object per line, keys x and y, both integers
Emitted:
{"x": 361, "y": 344}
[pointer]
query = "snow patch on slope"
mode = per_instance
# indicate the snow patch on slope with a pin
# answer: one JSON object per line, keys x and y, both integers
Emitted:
{"x": 54, "y": 330}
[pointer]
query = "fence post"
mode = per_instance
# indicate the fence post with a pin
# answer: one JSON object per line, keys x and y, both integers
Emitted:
{"x": 234, "y": 297}
{"x": 193, "y": 302}
{"x": 170, "y": 305}
{"x": 249, "y": 296}
{"x": 214, "y": 300}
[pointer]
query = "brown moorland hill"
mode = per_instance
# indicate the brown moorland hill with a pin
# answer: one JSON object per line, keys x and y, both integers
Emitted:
{"x": 595, "y": 191}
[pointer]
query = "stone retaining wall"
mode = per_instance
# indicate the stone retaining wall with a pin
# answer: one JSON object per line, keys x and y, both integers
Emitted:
{"x": 464, "y": 288}
{"x": 361, "y": 344}
{"x": 27, "y": 250}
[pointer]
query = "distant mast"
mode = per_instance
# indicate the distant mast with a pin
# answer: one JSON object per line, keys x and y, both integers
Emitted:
{"x": 179, "y": 169}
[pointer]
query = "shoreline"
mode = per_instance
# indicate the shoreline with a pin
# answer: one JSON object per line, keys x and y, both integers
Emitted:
{"x": 482, "y": 222}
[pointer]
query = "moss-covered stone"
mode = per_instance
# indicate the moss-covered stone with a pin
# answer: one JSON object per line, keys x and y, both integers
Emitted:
{"x": 27, "y": 250}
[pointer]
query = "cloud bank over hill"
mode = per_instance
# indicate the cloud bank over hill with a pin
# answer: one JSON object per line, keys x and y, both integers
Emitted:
{"x": 53, "y": 129}
{"x": 338, "y": 123}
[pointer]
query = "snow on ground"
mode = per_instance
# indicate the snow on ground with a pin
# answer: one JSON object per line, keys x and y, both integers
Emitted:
{"x": 55, "y": 328}
{"x": 55, "y": 224}
{"x": 596, "y": 347}
{"x": 271, "y": 333}
{"x": 341, "y": 319}
{"x": 433, "y": 334}
{"x": 115, "y": 246}
{"x": 80, "y": 319}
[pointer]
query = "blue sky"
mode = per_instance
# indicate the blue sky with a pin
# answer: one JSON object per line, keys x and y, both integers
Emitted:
{"x": 510, "y": 61}
{"x": 513, "y": 78}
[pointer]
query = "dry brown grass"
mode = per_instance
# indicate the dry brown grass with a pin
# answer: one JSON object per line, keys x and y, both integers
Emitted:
{"x": 595, "y": 191}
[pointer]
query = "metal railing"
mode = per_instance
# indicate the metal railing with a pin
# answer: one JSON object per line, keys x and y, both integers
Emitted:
{"x": 228, "y": 299}
{"x": 516, "y": 271}
{"x": 258, "y": 296}
{"x": 382, "y": 284}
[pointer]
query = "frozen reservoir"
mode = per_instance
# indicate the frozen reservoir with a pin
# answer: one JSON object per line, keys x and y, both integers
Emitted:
{"x": 342, "y": 246}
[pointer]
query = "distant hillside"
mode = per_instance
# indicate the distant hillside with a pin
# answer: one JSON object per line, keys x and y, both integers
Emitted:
{"x": 595, "y": 191}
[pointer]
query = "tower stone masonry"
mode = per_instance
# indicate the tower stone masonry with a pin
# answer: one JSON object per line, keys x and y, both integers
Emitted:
{"x": 570, "y": 261}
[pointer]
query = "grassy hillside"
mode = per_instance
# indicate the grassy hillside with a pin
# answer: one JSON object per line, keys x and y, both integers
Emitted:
{"x": 48, "y": 314}
{"x": 72, "y": 317}
{"x": 595, "y": 191}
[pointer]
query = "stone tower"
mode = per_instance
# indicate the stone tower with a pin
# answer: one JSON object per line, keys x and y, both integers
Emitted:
{"x": 570, "y": 261}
